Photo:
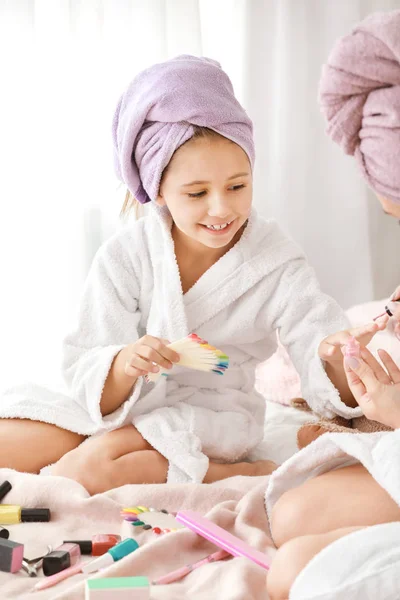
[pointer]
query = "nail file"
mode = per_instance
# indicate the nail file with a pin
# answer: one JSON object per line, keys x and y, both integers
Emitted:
{"x": 222, "y": 538}
{"x": 11, "y": 556}
{"x": 118, "y": 588}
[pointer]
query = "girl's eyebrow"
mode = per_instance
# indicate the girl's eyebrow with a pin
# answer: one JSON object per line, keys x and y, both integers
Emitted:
{"x": 198, "y": 182}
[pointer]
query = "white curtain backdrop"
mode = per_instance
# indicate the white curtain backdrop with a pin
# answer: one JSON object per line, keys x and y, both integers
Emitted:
{"x": 64, "y": 64}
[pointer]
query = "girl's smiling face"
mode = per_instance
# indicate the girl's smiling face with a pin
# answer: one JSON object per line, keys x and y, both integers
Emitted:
{"x": 207, "y": 188}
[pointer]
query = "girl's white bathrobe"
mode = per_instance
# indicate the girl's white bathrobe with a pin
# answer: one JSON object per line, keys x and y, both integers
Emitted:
{"x": 261, "y": 286}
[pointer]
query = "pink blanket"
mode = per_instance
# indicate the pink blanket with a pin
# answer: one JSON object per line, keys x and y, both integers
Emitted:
{"x": 237, "y": 504}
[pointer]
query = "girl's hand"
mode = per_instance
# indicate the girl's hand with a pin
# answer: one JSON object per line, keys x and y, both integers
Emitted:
{"x": 147, "y": 355}
{"x": 330, "y": 348}
{"x": 376, "y": 391}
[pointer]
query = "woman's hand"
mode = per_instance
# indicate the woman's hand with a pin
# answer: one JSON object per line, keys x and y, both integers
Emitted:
{"x": 330, "y": 349}
{"x": 396, "y": 294}
{"x": 147, "y": 355}
{"x": 376, "y": 391}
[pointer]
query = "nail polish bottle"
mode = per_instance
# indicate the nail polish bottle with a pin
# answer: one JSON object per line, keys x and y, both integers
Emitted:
{"x": 98, "y": 545}
{"x": 11, "y": 514}
{"x": 352, "y": 348}
{"x": 66, "y": 555}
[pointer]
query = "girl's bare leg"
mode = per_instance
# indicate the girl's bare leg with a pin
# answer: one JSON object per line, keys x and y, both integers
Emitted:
{"x": 29, "y": 446}
{"x": 293, "y": 556}
{"x": 343, "y": 498}
{"x": 123, "y": 457}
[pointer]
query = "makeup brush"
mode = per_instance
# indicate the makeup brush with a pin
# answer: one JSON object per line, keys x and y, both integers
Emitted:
{"x": 197, "y": 354}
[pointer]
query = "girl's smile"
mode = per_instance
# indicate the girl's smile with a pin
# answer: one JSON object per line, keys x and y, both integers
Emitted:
{"x": 218, "y": 229}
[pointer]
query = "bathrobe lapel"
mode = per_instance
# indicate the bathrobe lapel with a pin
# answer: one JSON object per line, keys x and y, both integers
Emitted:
{"x": 174, "y": 315}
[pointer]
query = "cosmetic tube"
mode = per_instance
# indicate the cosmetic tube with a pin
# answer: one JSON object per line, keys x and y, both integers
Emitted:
{"x": 63, "y": 557}
{"x": 98, "y": 545}
{"x": 11, "y": 514}
{"x": 111, "y": 556}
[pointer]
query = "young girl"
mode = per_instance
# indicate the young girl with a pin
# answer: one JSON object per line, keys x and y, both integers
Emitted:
{"x": 202, "y": 261}
{"x": 343, "y": 482}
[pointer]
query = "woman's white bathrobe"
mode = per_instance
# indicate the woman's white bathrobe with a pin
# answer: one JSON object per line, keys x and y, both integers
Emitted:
{"x": 364, "y": 565}
{"x": 262, "y": 285}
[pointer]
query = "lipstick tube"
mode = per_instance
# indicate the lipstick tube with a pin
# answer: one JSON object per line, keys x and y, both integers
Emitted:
{"x": 63, "y": 557}
{"x": 11, "y": 514}
{"x": 5, "y": 487}
{"x": 98, "y": 545}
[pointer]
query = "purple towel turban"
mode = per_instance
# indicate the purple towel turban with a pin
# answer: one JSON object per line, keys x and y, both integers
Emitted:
{"x": 156, "y": 114}
{"x": 360, "y": 98}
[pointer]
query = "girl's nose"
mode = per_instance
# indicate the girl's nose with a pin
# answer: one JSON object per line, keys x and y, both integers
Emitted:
{"x": 218, "y": 206}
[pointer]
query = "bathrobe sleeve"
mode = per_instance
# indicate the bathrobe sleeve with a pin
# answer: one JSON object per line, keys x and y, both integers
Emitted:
{"x": 108, "y": 320}
{"x": 304, "y": 316}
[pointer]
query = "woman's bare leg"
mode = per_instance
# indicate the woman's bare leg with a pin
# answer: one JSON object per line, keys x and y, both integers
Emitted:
{"x": 343, "y": 498}
{"x": 293, "y": 556}
{"x": 29, "y": 446}
{"x": 123, "y": 457}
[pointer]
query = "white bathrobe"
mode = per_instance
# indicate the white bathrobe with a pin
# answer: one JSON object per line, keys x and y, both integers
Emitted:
{"x": 261, "y": 286}
{"x": 364, "y": 565}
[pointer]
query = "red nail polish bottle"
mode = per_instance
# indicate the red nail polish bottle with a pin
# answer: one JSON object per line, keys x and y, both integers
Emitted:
{"x": 98, "y": 545}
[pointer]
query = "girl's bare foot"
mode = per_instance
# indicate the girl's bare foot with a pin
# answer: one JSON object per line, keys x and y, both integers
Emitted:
{"x": 263, "y": 467}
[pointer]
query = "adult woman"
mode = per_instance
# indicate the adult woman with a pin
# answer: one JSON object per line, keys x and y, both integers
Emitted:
{"x": 340, "y": 483}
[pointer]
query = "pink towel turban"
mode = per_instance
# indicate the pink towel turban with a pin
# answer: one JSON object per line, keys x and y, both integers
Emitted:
{"x": 156, "y": 114}
{"x": 360, "y": 97}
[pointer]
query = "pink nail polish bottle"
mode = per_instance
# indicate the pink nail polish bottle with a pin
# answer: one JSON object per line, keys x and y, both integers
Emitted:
{"x": 352, "y": 348}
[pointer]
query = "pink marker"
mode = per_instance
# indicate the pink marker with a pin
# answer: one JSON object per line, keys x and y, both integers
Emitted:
{"x": 180, "y": 573}
{"x": 58, "y": 577}
{"x": 221, "y": 537}
{"x": 352, "y": 348}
